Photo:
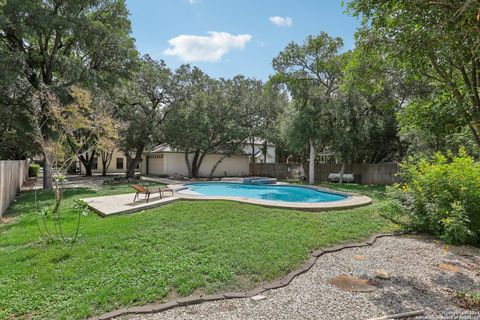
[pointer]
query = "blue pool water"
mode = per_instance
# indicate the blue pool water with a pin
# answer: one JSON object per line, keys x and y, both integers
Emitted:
{"x": 263, "y": 192}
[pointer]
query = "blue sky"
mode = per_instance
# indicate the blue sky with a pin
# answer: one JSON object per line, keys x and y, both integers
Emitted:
{"x": 229, "y": 37}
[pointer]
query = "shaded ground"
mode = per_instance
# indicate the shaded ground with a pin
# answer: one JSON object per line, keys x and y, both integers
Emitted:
{"x": 416, "y": 283}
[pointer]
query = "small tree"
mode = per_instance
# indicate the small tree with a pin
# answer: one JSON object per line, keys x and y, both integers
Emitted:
{"x": 63, "y": 121}
{"x": 99, "y": 129}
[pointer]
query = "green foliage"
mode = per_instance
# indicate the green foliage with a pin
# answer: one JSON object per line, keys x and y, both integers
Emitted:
{"x": 219, "y": 116}
{"x": 142, "y": 103}
{"x": 384, "y": 87}
{"x": 424, "y": 41}
{"x": 50, "y": 47}
{"x": 68, "y": 42}
{"x": 433, "y": 123}
{"x": 181, "y": 248}
{"x": 81, "y": 207}
{"x": 33, "y": 170}
{"x": 311, "y": 72}
{"x": 440, "y": 196}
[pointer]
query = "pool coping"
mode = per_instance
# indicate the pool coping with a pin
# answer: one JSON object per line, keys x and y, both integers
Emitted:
{"x": 123, "y": 204}
{"x": 352, "y": 200}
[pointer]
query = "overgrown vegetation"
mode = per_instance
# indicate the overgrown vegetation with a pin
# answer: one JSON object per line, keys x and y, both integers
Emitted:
{"x": 440, "y": 196}
{"x": 177, "y": 249}
{"x": 33, "y": 170}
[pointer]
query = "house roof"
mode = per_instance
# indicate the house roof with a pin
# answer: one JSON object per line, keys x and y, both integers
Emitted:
{"x": 259, "y": 154}
{"x": 260, "y": 142}
{"x": 165, "y": 148}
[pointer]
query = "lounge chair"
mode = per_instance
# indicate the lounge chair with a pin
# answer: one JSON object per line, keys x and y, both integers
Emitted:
{"x": 142, "y": 190}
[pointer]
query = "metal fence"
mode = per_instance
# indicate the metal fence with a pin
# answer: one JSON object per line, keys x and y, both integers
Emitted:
{"x": 366, "y": 173}
{"x": 12, "y": 176}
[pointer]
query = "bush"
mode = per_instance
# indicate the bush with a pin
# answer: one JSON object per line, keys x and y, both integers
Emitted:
{"x": 33, "y": 170}
{"x": 440, "y": 196}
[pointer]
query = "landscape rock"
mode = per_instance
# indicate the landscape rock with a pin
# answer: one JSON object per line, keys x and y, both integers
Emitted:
{"x": 448, "y": 267}
{"x": 259, "y": 297}
{"x": 382, "y": 274}
{"x": 359, "y": 257}
{"x": 352, "y": 284}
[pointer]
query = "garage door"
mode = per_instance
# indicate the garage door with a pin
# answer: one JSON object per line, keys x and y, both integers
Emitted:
{"x": 155, "y": 164}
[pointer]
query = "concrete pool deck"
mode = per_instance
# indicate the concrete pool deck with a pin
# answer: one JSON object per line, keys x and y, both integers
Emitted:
{"x": 123, "y": 203}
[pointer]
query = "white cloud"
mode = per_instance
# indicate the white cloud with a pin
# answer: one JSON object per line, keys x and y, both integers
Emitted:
{"x": 209, "y": 48}
{"x": 192, "y": 1}
{"x": 281, "y": 21}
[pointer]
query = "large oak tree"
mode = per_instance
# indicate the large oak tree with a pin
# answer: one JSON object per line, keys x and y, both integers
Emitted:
{"x": 61, "y": 43}
{"x": 434, "y": 40}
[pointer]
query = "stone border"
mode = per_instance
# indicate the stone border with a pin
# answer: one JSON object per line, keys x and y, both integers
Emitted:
{"x": 276, "y": 284}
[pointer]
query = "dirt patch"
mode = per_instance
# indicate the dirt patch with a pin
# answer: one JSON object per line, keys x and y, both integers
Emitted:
{"x": 7, "y": 219}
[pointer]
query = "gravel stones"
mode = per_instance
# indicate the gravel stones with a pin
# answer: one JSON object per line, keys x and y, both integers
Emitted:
{"x": 418, "y": 283}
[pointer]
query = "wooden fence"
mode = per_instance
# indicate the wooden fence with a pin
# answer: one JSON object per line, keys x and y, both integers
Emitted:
{"x": 277, "y": 170}
{"x": 378, "y": 173}
{"x": 12, "y": 176}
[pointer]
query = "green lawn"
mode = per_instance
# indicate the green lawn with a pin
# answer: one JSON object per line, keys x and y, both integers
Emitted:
{"x": 176, "y": 249}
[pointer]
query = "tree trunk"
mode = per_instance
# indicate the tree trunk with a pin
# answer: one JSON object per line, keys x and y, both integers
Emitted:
{"x": 342, "y": 171}
{"x": 265, "y": 149}
{"x": 252, "y": 155}
{"x": 212, "y": 172}
{"x": 47, "y": 172}
{"x": 195, "y": 164}
{"x": 252, "y": 144}
{"x": 88, "y": 171}
{"x": 106, "y": 160}
{"x": 199, "y": 164}
{"x": 87, "y": 162}
{"x": 189, "y": 164}
{"x": 133, "y": 162}
{"x": 311, "y": 164}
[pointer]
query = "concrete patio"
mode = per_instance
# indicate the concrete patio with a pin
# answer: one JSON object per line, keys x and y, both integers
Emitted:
{"x": 123, "y": 203}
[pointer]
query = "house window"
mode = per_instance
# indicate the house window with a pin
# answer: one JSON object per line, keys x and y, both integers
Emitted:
{"x": 119, "y": 163}
{"x": 95, "y": 164}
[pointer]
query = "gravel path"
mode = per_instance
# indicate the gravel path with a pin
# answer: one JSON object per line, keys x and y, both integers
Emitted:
{"x": 416, "y": 283}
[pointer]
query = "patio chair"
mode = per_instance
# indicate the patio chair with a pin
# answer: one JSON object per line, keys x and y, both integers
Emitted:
{"x": 162, "y": 191}
{"x": 142, "y": 190}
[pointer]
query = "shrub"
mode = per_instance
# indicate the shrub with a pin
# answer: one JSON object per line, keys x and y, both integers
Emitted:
{"x": 440, "y": 196}
{"x": 33, "y": 170}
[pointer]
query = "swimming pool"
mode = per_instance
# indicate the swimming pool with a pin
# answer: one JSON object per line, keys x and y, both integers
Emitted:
{"x": 285, "y": 193}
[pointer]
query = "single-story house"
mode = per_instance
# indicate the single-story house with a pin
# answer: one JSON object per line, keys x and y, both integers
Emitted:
{"x": 258, "y": 151}
{"x": 164, "y": 160}
{"x": 118, "y": 164}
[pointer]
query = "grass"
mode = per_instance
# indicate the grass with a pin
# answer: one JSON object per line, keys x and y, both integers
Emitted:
{"x": 177, "y": 249}
{"x": 469, "y": 299}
